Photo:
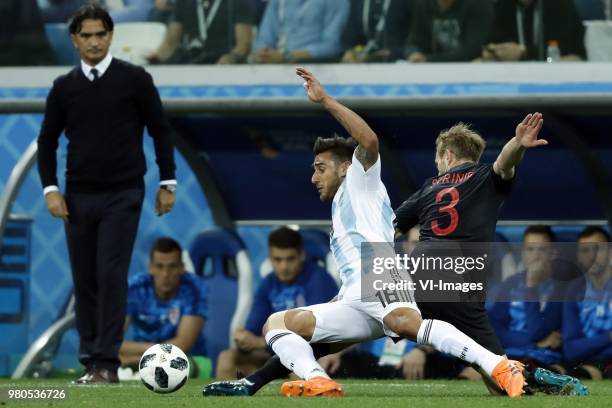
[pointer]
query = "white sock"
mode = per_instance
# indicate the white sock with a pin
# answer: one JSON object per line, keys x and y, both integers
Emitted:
{"x": 448, "y": 339}
{"x": 295, "y": 353}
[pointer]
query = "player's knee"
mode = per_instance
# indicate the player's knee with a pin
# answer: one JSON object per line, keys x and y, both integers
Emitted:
{"x": 404, "y": 322}
{"x": 301, "y": 322}
{"x": 276, "y": 321}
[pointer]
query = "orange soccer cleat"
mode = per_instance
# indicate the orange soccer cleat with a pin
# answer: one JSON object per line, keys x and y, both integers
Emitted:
{"x": 316, "y": 386}
{"x": 509, "y": 376}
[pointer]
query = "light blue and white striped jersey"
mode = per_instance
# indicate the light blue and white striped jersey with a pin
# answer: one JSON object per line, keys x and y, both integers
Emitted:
{"x": 361, "y": 212}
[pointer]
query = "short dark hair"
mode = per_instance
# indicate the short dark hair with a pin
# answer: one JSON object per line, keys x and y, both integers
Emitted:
{"x": 90, "y": 11}
{"x": 165, "y": 245}
{"x": 343, "y": 148}
{"x": 285, "y": 238}
{"x": 592, "y": 230}
{"x": 542, "y": 230}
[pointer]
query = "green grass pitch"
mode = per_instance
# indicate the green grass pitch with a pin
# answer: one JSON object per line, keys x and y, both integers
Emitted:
{"x": 359, "y": 394}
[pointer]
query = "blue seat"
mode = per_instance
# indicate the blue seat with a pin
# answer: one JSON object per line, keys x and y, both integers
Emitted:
{"x": 219, "y": 256}
{"x": 316, "y": 245}
{"x": 59, "y": 39}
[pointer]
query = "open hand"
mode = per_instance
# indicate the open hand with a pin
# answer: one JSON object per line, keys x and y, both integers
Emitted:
{"x": 312, "y": 86}
{"x": 527, "y": 131}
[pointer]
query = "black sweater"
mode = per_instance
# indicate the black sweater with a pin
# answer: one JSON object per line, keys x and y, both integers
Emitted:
{"x": 104, "y": 123}
{"x": 454, "y": 35}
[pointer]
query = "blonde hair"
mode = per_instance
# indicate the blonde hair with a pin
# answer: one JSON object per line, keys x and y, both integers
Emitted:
{"x": 462, "y": 141}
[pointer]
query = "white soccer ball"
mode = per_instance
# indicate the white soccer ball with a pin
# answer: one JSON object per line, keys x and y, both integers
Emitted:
{"x": 164, "y": 368}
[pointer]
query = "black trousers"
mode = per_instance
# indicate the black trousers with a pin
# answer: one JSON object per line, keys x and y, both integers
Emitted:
{"x": 101, "y": 231}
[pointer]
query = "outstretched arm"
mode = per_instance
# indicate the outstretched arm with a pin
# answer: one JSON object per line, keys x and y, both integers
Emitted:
{"x": 367, "y": 151}
{"x": 526, "y": 137}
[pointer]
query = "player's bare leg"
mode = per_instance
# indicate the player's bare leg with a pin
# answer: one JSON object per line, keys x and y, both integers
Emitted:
{"x": 448, "y": 339}
{"x": 287, "y": 334}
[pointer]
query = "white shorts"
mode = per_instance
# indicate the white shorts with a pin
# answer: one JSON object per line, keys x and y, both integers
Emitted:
{"x": 351, "y": 320}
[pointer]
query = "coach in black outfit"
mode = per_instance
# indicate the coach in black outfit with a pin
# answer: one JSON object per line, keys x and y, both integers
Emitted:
{"x": 103, "y": 106}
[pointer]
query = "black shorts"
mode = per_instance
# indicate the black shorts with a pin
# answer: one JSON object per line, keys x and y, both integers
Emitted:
{"x": 469, "y": 317}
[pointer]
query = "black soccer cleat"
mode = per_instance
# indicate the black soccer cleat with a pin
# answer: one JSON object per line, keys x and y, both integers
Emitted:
{"x": 233, "y": 388}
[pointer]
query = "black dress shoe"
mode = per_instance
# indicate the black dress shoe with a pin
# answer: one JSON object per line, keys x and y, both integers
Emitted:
{"x": 84, "y": 379}
{"x": 104, "y": 376}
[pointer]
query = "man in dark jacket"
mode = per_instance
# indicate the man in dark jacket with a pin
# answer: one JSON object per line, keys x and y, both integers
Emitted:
{"x": 103, "y": 106}
{"x": 448, "y": 30}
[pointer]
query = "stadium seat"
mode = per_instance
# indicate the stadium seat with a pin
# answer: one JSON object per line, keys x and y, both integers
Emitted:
{"x": 59, "y": 39}
{"x": 220, "y": 258}
{"x": 134, "y": 41}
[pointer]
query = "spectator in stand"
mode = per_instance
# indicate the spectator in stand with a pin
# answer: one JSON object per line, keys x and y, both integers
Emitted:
{"x": 162, "y": 11}
{"x": 587, "y": 324}
{"x": 22, "y": 34}
{"x": 448, "y": 30}
{"x": 520, "y": 30}
{"x": 208, "y": 32}
{"x": 377, "y": 30}
{"x": 293, "y": 283}
{"x": 301, "y": 30}
{"x": 526, "y": 322}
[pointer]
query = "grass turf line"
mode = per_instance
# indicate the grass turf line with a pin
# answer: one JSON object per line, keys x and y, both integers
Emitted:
{"x": 360, "y": 394}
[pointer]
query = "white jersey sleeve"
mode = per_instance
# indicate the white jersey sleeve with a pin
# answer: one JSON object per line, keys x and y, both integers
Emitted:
{"x": 359, "y": 179}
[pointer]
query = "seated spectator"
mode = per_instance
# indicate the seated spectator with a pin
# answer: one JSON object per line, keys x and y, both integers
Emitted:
{"x": 166, "y": 305}
{"x": 515, "y": 35}
{"x": 587, "y": 324}
{"x": 161, "y": 11}
{"x": 207, "y": 33}
{"x": 376, "y": 30}
{"x": 448, "y": 30}
{"x": 293, "y": 283}
{"x": 22, "y": 34}
{"x": 301, "y": 30}
{"x": 526, "y": 323}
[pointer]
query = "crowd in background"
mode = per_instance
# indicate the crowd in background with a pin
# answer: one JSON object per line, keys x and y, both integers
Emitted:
{"x": 290, "y": 31}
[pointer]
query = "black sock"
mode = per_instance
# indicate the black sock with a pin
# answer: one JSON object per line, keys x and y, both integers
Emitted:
{"x": 273, "y": 369}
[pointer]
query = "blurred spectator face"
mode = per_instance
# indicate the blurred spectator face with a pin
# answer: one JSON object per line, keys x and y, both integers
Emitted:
{"x": 328, "y": 174}
{"x": 537, "y": 254}
{"x": 93, "y": 41}
{"x": 593, "y": 254}
{"x": 166, "y": 269}
{"x": 287, "y": 263}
